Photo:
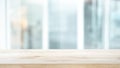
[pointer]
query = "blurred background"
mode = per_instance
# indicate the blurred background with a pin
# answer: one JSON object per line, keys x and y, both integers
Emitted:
{"x": 94, "y": 18}
{"x": 25, "y": 18}
{"x": 23, "y": 21}
{"x": 115, "y": 24}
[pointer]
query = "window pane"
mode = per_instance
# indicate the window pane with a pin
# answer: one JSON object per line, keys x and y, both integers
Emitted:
{"x": 25, "y": 18}
{"x": 93, "y": 24}
{"x": 115, "y": 24}
{"x": 62, "y": 24}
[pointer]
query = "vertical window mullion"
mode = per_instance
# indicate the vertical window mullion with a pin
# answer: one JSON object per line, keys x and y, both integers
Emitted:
{"x": 8, "y": 40}
{"x": 45, "y": 35}
{"x": 80, "y": 24}
{"x": 2, "y": 25}
{"x": 106, "y": 25}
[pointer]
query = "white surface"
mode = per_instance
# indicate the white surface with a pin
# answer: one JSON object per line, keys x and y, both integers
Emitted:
{"x": 2, "y": 25}
{"x": 45, "y": 37}
{"x": 106, "y": 24}
{"x": 80, "y": 24}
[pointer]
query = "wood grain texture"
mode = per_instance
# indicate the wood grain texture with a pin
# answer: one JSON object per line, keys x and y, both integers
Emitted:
{"x": 60, "y": 57}
{"x": 61, "y": 66}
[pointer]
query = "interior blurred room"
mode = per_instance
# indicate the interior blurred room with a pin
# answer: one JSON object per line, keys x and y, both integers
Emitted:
{"x": 33, "y": 24}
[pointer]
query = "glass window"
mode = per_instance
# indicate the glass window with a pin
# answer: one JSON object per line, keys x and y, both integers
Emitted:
{"x": 93, "y": 21}
{"x": 59, "y": 24}
{"x": 115, "y": 24}
{"x": 25, "y": 18}
{"x": 62, "y": 24}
